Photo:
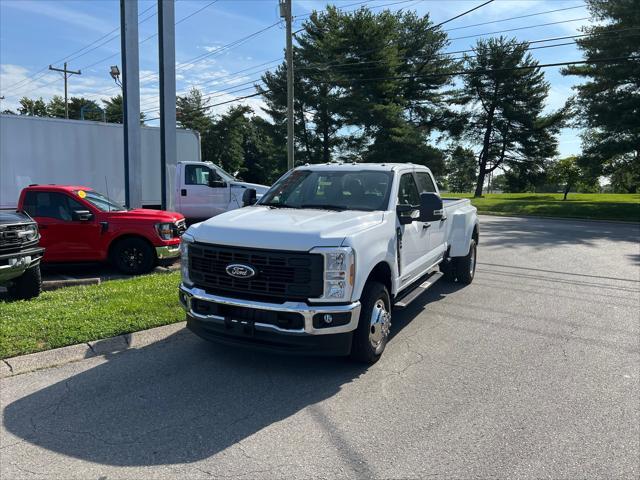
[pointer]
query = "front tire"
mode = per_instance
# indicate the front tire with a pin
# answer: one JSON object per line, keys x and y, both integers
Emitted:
{"x": 28, "y": 285}
{"x": 372, "y": 334}
{"x": 133, "y": 256}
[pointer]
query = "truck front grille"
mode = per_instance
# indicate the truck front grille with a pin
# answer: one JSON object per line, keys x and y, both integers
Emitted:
{"x": 11, "y": 237}
{"x": 279, "y": 275}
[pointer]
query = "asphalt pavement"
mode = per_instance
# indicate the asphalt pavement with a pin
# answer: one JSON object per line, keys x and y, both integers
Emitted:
{"x": 533, "y": 371}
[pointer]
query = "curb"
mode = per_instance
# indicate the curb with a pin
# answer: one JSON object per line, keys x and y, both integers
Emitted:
{"x": 49, "y": 285}
{"x": 546, "y": 217}
{"x": 59, "y": 356}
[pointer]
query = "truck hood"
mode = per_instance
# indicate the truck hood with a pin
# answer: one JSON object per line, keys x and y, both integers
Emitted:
{"x": 144, "y": 215}
{"x": 260, "y": 189}
{"x": 283, "y": 228}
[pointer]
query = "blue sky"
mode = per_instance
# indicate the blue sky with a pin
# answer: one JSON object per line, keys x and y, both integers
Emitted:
{"x": 35, "y": 33}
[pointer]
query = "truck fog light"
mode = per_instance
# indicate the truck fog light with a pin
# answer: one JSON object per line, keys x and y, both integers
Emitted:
{"x": 337, "y": 319}
{"x": 328, "y": 318}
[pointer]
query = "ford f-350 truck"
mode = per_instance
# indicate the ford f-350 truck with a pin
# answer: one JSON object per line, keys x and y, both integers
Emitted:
{"x": 317, "y": 265}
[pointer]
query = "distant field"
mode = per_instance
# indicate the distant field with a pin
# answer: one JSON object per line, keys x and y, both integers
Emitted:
{"x": 625, "y": 207}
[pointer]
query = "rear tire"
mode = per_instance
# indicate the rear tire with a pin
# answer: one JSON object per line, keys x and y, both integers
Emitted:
{"x": 133, "y": 256}
{"x": 28, "y": 285}
{"x": 465, "y": 267}
{"x": 372, "y": 334}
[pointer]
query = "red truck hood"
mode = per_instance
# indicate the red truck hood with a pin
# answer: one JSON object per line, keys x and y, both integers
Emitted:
{"x": 144, "y": 214}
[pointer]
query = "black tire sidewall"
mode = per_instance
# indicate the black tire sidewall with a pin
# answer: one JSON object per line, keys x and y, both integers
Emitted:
{"x": 28, "y": 285}
{"x": 463, "y": 265}
{"x": 362, "y": 349}
{"x": 143, "y": 246}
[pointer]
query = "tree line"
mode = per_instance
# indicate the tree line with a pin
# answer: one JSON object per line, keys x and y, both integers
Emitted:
{"x": 380, "y": 87}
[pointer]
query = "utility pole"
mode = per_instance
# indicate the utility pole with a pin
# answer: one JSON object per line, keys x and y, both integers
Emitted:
{"x": 285, "y": 11}
{"x": 167, "y": 67}
{"x": 66, "y": 73}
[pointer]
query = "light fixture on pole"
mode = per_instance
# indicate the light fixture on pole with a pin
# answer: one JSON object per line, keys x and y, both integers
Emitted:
{"x": 115, "y": 74}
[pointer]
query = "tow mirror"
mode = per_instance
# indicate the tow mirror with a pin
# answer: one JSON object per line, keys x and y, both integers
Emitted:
{"x": 404, "y": 214}
{"x": 248, "y": 197}
{"x": 81, "y": 215}
{"x": 430, "y": 207}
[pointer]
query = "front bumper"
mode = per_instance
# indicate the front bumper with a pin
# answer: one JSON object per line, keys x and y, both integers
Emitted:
{"x": 308, "y": 339}
{"x": 168, "y": 252}
{"x": 12, "y": 265}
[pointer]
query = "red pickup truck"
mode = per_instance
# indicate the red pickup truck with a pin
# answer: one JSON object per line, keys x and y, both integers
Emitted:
{"x": 78, "y": 224}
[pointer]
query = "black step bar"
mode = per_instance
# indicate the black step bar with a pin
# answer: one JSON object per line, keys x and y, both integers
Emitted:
{"x": 413, "y": 293}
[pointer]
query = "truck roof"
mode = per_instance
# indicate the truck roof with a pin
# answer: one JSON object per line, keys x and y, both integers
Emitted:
{"x": 386, "y": 167}
{"x": 61, "y": 188}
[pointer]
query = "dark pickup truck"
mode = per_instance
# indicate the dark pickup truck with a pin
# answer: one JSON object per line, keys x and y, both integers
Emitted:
{"x": 20, "y": 255}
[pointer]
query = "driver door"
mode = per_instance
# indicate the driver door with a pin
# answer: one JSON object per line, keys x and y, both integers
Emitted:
{"x": 199, "y": 198}
{"x": 64, "y": 239}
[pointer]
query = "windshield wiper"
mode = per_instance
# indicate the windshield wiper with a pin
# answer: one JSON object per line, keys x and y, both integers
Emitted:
{"x": 274, "y": 205}
{"x": 337, "y": 208}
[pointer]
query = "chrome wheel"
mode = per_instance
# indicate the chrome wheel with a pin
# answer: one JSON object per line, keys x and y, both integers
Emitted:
{"x": 380, "y": 323}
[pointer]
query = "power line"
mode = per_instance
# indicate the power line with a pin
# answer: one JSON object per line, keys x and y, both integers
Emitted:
{"x": 515, "y": 18}
{"x": 462, "y": 72}
{"x": 463, "y": 14}
{"x": 221, "y": 103}
{"x": 70, "y": 57}
{"x": 521, "y": 28}
{"x": 492, "y": 70}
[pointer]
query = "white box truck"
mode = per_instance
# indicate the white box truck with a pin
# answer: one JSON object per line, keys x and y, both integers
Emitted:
{"x": 75, "y": 152}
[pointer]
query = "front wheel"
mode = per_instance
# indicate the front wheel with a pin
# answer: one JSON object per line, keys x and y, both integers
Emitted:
{"x": 466, "y": 266}
{"x": 133, "y": 256}
{"x": 372, "y": 334}
{"x": 28, "y": 285}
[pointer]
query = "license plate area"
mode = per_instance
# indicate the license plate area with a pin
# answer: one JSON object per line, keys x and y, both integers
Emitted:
{"x": 247, "y": 317}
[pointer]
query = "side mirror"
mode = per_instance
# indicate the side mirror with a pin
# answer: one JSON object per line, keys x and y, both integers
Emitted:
{"x": 248, "y": 197}
{"x": 217, "y": 183}
{"x": 404, "y": 214}
{"x": 81, "y": 215}
{"x": 430, "y": 207}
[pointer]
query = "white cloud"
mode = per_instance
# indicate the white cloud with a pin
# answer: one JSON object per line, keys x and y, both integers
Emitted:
{"x": 58, "y": 12}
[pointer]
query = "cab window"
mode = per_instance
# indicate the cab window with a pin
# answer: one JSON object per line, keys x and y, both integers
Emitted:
{"x": 425, "y": 183}
{"x": 51, "y": 205}
{"x": 408, "y": 191}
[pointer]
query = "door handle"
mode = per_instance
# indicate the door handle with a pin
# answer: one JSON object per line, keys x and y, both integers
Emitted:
{"x": 183, "y": 192}
{"x": 425, "y": 226}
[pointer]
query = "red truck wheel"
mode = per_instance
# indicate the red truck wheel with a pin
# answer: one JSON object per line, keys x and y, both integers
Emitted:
{"x": 133, "y": 256}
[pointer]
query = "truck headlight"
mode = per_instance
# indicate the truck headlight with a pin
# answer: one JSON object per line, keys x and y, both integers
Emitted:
{"x": 185, "y": 241}
{"x": 165, "y": 230}
{"x": 29, "y": 233}
{"x": 339, "y": 272}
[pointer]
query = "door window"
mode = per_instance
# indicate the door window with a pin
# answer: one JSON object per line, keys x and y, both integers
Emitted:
{"x": 425, "y": 183}
{"x": 197, "y": 175}
{"x": 408, "y": 191}
{"x": 51, "y": 205}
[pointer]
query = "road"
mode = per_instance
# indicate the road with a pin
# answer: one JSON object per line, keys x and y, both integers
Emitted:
{"x": 532, "y": 371}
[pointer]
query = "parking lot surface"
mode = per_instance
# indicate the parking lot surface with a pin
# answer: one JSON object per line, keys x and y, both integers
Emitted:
{"x": 532, "y": 371}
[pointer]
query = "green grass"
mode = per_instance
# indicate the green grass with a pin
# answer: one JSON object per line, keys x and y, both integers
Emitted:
{"x": 79, "y": 314}
{"x": 625, "y": 207}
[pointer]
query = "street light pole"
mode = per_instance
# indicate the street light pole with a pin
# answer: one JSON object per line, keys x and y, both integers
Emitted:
{"x": 285, "y": 11}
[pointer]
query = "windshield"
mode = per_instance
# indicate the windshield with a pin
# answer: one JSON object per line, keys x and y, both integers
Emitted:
{"x": 101, "y": 202}
{"x": 227, "y": 177}
{"x": 331, "y": 190}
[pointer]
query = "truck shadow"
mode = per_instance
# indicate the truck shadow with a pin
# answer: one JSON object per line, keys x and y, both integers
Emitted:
{"x": 178, "y": 401}
{"x": 181, "y": 400}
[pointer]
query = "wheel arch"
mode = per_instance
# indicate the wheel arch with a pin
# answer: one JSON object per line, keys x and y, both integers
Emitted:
{"x": 381, "y": 272}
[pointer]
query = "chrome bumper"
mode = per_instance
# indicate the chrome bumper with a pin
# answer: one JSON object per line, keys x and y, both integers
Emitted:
{"x": 169, "y": 251}
{"x": 307, "y": 311}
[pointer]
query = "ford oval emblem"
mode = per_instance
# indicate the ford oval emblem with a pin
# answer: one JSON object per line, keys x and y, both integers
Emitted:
{"x": 238, "y": 270}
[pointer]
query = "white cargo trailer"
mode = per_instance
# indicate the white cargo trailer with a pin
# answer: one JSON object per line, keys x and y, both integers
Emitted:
{"x": 76, "y": 152}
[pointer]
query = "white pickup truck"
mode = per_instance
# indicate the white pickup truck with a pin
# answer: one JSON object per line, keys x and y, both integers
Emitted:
{"x": 203, "y": 190}
{"x": 318, "y": 263}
